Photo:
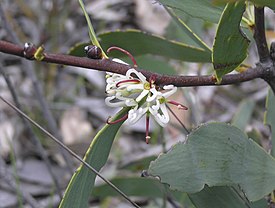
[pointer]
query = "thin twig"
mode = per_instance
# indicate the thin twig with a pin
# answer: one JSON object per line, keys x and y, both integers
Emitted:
{"x": 32, "y": 135}
{"x": 69, "y": 151}
{"x": 183, "y": 126}
{"x": 29, "y": 70}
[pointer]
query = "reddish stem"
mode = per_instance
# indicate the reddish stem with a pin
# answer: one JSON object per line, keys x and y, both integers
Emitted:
{"x": 147, "y": 129}
{"x": 180, "y": 106}
{"x": 125, "y": 52}
{"x": 135, "y": 81}
{"x": 123, "y": 118}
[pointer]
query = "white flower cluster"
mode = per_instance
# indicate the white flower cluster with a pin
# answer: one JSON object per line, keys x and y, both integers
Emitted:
{"x": 144, "y": 97}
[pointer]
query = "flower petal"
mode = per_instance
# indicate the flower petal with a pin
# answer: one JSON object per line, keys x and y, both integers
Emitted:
{"x": 152, "y": 97}
{"x": 142, "y": 95}
{"x": 172, "y": 89}
{"x": 119, "y": 61}
{"x": 114, "y": 104}
{"x": 135, "y": 114}
{"x": 138, "y": 74}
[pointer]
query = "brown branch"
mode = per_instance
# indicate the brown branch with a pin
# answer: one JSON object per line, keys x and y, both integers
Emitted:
{"x": 264, "y": 55}
{"x": 110, "y": 66}
{"x": 259, "y": 35}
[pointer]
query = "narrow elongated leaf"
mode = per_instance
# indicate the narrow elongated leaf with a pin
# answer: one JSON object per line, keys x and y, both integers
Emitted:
{"x": 217, "y": 154}
{"x": 243, "y": 114}
{"x": 81, "y": 185}
{"x": 269, "y": 118}
{"x": 203, "y": 9}
{"x": 230, "y": 45}
{"x": 91, "y": 29}
{"x": 140, "y": 43}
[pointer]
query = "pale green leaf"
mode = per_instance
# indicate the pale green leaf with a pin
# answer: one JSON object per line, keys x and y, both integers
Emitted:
{"x": 217, "y": 154}
{"x": 230, "y": 45}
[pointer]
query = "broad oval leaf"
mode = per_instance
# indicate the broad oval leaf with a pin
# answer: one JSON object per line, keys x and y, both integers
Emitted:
{"x": 217, "y": 154}
{"x": 230, "y": 45}
{"x": 140, "y": 43}
{"x": 79, "y": 189}
{"x": 203, "y": 9}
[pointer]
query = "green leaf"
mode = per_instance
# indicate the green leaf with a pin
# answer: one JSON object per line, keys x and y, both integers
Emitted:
{"x": 145, "y": 187}
{"x": 140, "y": 43}
{"x": 140, "y": 187}
{"x": 78, "y": 49}
{"x": 268, "y": 3}
{"x": 91, "y": 29}
{"x": 243, "y": 114}
{"x": 230, "y": 45}
{"x": 187, "y": 31}
{"x": 82, "y": 182}
{"x": 269, "y": 117}
{"x": 155, "y": 64}
{"x": 139, "y": 164}
{"x": 222, "y": 196}
{"x": 217, "y": 154}
{"x": 203, "y": 9}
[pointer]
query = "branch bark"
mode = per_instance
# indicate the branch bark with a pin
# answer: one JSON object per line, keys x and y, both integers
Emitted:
{"x": 265, "y": 56}
{"x": 110, "y": 66}
{"x": 259, "y": 35}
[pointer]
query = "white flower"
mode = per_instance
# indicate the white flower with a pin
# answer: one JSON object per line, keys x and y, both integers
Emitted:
{"x": 155, "y": 105}
{"x": 144, "y": 97}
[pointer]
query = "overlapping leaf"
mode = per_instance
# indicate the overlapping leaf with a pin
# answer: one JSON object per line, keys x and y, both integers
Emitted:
{"x": 217, "y": 154}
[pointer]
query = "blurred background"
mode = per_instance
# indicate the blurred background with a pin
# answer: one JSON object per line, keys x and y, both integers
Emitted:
{"x": 69, "y": 101}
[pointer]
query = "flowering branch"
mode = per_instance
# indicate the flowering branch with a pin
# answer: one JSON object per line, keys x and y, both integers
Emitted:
{"x": 107, "y": 65}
